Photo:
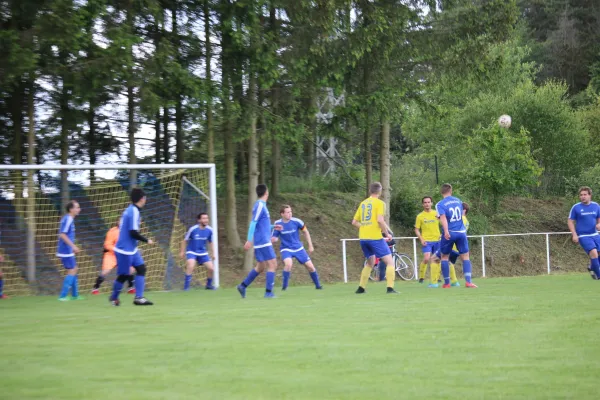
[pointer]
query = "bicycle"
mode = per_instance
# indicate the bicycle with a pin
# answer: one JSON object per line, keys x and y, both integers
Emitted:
{"x": 403, "y": 266}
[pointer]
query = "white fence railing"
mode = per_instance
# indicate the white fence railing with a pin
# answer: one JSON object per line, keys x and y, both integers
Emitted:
{"x": 415, "y": 259}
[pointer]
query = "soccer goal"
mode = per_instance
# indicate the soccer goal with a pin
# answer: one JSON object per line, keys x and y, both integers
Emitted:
{"x": 33, "y": 199}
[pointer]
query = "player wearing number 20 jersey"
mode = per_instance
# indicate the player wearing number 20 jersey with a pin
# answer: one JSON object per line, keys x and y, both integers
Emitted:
{"x": 450, "y": 210}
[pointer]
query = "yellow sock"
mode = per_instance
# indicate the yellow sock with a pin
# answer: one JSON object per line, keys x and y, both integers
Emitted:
{"x": 435, "y": 272}
{"x": 453, "y": 277}
{"x": 364, "y": 276}
{"x": 390, "y": 275}
{"x": 422, "y": 270}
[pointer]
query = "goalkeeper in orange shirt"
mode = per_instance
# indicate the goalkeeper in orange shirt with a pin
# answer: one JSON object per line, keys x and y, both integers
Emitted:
{"x": 109, "y": 260}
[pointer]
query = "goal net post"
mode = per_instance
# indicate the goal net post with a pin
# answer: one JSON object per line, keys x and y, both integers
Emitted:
{"x": 33, "y": 199}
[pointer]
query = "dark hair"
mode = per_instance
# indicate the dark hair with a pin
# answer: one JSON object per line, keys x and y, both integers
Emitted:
{"x": 375, "y": 188}
{"x": 137, "y": 194}
{"x": 585, "y": 189}
{"x": 261, "y": 189}
{"x": 201, "y": 214}
{"x": 427, "y": 197}
{"x": 70, "y": 205}
{"x": 283, "y": 208}
{"x": 446, "y": 188}
{"x": 466, "y": 208}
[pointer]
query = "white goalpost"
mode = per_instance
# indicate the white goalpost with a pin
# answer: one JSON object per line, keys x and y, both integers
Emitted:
{"x": 32, "y": 200}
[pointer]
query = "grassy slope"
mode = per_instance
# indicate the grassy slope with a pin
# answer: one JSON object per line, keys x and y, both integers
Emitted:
{"x": 328, "y": 218}
{"x": 511, "y": 339}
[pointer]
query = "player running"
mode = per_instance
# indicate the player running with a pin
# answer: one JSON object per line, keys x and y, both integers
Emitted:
{"x": 583, "y": 221}
{"x": 66, "y": 250}
{"x": 193, "y": 247}
{"x": 427, "y": 229}
{"x": 127, "y": 252}
{"x": 292, "y": 247}
{"x": 450, "y": 210}
{"x": 109, "y": 260}
{"x": 369, "y": 219}
{"x": 259, "y": 237}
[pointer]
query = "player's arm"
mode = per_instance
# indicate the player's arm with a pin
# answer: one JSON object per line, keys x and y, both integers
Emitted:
{"x": 110, "y": 241}
{"x": 571, "y": 225}
{"x": 385, "y": 230}
{"x": 308, "y": 239}
{"x": 444, "y": 223}
{"x": 250, "y": 236}
{"x": 418, "y": 232}
{"x": 65, "y": 238}
{"x": 276, "y": 233}
{"x": 135, "y": 232}
{"x": 356, "y": 220}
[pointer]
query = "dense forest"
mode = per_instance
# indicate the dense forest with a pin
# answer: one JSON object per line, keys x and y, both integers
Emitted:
{"x": 310, "y": 95}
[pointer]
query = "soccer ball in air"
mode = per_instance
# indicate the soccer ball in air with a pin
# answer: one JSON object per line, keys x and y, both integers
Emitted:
{"x": 505, "y": 121}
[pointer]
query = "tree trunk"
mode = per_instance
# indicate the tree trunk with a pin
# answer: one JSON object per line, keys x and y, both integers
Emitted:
{"x": 16, "y": 104}
{"x": 261, "y": 134}
{"x": 179, "y": 155}
{"x": 31, "y": 192}
{"x": 384, "y": 167}
{"x": 252, "y": 158}
{"x": 275, "y": 147}
{"x": 368, "y": 158}
{"x": 231, "y": 223}
{"x": 166, "y": 138}
{"x": 64, "y": 141}
{"x": 131, "y": 133}
{"x": 157, "y": 140}
{"x": 209, "y": 115}
{"x": 131, "y": 129}
{"x": 91, "y": 120}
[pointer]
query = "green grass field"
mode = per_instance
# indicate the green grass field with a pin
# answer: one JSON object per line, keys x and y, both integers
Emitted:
{"x": 515, "y": 338}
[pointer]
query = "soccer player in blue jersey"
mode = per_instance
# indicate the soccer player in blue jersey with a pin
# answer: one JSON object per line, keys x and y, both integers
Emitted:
{"x": 292, "y": 247}
{"x": 67, "y": 249}
{"x": 259, "y": 237}
{"x": 450, "y": 210}
{"x": 583, "y": 220}
{"x": 127, "y": 252}
{"x": 194, "y": 249}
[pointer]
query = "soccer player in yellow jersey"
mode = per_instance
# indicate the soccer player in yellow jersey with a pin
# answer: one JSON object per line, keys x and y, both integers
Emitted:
{"x": 370, "y": 220}
{"x": 427, "y": 229}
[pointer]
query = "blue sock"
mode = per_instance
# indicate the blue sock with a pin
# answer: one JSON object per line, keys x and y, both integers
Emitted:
{"x": 186, "y": 284}
{"x": 270, "y": 281}
{"x": 1, "y": 286}
{"x": 209, "y": 282}
{"x": 315, "y": 278}
{"x": 250, "y": 278}
{"x": 67, "y": 282}
{"x": 467, "y": 270}
{"x": 446, "y": 272}
{"x": 286, "y": 279}
{"x": 140, "y": 284}
{"x": 74, "y": 287}
{"x": 595, "y": 266}
{"x": 382, "y": 268}
{"x": 117, "y": 287}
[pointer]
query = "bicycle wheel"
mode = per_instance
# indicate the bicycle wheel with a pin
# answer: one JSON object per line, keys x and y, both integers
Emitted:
{"x": 374, "y": 273}
{"x": 404, "y": 267}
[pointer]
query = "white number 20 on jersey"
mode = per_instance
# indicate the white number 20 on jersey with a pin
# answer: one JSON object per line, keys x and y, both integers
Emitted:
{"x": 456, "y": 214}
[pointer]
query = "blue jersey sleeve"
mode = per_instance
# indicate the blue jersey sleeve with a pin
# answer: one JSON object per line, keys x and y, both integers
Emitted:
{"x": 276, "y": 233}
{"x": 573, "y": 213}
{"x": 65, "y": 224}
{"x": 439, "y": 208}
{"x": 209, "y": 237}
